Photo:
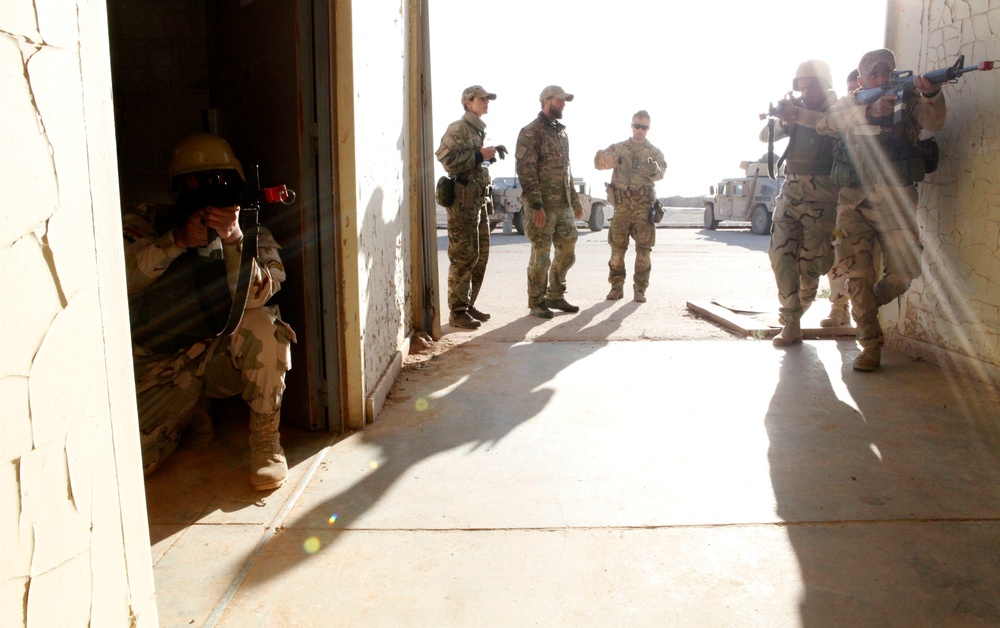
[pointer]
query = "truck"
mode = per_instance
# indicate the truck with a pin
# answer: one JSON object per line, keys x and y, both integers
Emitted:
{"x": 507, "y": 205}
{"x": 749, "y": 198}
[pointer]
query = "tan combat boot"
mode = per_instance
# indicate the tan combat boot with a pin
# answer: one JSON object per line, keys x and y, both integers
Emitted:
{"x": 838, "y": 317}
{"x": 640, "y": 296}
{"x": 869, "y": 359}
{"x": 616, "y": 293}
{"x": 790, "y": 334}
{"x": 267, "y": 459}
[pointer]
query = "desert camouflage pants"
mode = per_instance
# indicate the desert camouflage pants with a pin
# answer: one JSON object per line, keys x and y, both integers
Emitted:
{"x": 839, "y": 296}
{"x": 631, "y": 219}
{"x": 547, "y": 276}
{"x": 251, "y": 362}
{"x": 868, "y": 219}
{"x": 468, "y": 254}
{"x": 801, "y": 251}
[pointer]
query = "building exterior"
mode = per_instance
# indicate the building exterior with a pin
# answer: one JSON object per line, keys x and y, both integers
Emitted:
{"x": 339, "y": 110}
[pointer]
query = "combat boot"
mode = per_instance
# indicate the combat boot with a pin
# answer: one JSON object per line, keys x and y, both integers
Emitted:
{"x": 267, "y": 459}
{"x": 463, "y": 320}
{"x": 482, "y": 317}
{"x": 869, "y": 359}
{"x": 790, "y": 334}
{"x": 616, "y": 293}
{"x": 540, "y": 310}
{"x": 561, "y": 305}
{"x": 640, "y": 296}
{"x": 838, "y": 317}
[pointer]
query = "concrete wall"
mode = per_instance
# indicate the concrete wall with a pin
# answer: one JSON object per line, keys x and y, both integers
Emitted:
{"x": 74, "y": 546}
{"x": 952, "y": 313}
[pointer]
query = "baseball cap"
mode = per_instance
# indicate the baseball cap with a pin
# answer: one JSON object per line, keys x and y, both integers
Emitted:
{"x": 875, "y": 57}
{"x": 476, "y": 91}
{"x": 554, "y": 91}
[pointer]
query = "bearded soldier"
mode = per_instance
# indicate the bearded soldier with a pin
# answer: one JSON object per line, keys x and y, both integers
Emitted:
{"x": 466, "y": 160}
{"x": 637, "y": 166}
{"x": 801, "y": 249}
{"x": 878, "y": 165}
{"x": 544, "y": 172}
{"x": 192, "y": 252}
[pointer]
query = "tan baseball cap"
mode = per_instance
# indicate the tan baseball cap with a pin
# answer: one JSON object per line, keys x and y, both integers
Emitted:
{"x": 875, "y": 57}
{"x": 554, "y": 91}
{"x": 475, "y": 92}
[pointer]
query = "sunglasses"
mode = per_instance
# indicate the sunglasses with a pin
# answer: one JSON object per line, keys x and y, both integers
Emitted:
{"x": 642, "y": 127}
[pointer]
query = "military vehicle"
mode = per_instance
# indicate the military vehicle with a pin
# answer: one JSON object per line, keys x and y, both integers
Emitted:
{"x": 750, "y": 198}
{"x": 507, "y": 205}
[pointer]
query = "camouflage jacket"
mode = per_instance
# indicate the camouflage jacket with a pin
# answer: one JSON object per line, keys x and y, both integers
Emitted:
{"x": 148, "y": 254}
{"x": 543, "y": 166}
{"x": 459, "y": 151}
{"x": 632, "y": 169}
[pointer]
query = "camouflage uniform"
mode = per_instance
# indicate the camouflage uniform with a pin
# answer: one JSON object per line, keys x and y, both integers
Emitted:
{"x": 632, "y": 193}
{"x": 544, "y": 172}
{"x": 801, "y": 247}
{"x": 876, "y": 206}
{"x": 468, "y": 217}
{"x": 172, "y": 390}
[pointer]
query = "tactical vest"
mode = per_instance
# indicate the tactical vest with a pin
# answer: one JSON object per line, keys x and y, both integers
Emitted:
{"x": 891, "y": 157}
{"x": 809, "y": 153}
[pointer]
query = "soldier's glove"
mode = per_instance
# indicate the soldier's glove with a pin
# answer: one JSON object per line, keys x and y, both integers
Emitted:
{"x": 502, "y": 151}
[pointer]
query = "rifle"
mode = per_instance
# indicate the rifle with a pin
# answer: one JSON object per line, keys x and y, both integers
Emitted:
{"x": 772, "y": 112}
{"x": 901, "y": 83}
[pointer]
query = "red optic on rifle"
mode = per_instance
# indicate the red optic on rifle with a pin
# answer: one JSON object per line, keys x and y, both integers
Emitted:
{"x": 279, "y": 194}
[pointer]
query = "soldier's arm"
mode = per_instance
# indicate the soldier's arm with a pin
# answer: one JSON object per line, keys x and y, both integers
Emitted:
{"x": 931, "y": 112}
{"x": 457, "y": 153}
{"x": 526, "y": 156}
{"x": 146, "y": 256}
{"x": 267, "y": 271}
{"x": 835, "y": 120}
{"x": 659, "y": 165}
{"x": 605, "y": 158}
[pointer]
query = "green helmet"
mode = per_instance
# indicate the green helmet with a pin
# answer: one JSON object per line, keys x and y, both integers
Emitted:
{"x": 204, "y": 151}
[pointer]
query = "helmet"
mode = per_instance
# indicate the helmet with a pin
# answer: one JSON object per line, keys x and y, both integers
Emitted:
{"x": 814, "y": 68}
{"x": 203, "y": 151}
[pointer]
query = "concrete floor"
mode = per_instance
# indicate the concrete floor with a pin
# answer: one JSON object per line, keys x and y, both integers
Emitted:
{"x": 642, "y": 483}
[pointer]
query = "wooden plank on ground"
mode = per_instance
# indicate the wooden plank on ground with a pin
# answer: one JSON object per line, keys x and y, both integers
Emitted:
{"x": 744, "y": 325}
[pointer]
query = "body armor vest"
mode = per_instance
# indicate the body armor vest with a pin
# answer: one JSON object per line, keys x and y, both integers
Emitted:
{"x": 809, "y": 153}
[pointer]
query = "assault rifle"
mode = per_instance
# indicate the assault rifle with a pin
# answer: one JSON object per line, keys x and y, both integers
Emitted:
{"x": 772, "y": 112}
{"x": 901, "y": 83}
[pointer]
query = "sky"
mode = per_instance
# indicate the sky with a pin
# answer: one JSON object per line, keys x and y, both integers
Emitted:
{"x": 705, "y": 71}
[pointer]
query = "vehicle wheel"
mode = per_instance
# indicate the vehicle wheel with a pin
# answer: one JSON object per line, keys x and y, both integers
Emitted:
{"x": 518, "y": 222}
{"x": 596, "y": 217}
{"x": 760, "y": 221}
{"x": 710, "y": 221}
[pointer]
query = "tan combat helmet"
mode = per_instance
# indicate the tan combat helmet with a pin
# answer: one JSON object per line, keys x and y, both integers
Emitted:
{"x": 202, "y": 152}
{"x": 815, "y": 68}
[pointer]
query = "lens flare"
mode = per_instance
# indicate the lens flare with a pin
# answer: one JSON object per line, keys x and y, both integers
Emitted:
{"x": 333, "y": 519}
{"x": 311, "y": 545}
{"x": 374, "y": 464}
{"x": 422, "y": 404}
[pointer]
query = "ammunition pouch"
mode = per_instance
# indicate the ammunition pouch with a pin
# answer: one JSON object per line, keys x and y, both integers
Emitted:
{"x": 656, "y": 212}
{"x": 905, "y": 165}
{"x": 928, "y": 150}
{"x": 444, "y": 192}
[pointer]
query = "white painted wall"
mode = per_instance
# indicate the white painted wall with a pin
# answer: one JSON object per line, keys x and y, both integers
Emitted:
{"x": 383, "y": 224}
{"x": 74, "y": 546}
{"x": 952, "y": 313}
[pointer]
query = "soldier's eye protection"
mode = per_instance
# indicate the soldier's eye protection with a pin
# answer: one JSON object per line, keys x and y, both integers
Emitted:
{"x": 641, "y": 127}
{"x": 211, "y": 179}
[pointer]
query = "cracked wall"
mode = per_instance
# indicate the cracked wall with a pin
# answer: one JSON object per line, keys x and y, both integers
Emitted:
{"x": 72, "y": 552}
{"x": 955, "y": 305}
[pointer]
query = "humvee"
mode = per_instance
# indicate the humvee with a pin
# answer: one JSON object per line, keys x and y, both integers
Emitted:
{"x": 750, "y": 198}
{"x": 507, "y": 205}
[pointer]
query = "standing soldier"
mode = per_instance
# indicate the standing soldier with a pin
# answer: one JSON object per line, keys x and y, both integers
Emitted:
{"x": 839, "y": 297}
{"x": 878, "y": 164}
{"x": 466, "y": 159}
{"x": 544, "y": 172}
{"x": 637, "y": 166}
{"x": 801, "y": 250}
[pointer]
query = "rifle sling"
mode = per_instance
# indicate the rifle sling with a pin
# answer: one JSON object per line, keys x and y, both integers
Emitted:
{"x": 247, "y": 256}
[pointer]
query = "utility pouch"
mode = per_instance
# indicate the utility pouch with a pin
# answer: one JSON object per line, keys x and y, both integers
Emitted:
{"x": 611, "y": 194}
{"x": 444, "y": 192}
{"x": 843, "y": 172}
{"x": 656, "y": 212}
{"x": 928, "y": 150}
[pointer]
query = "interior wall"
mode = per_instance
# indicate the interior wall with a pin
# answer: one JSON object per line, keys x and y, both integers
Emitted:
{"x": 74, "y": 546}
{"x": 952, "y": 313}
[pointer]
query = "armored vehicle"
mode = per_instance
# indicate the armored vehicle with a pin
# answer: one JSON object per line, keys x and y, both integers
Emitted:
{"x": 750, "y": 198}
{"x": 507, "y": 205}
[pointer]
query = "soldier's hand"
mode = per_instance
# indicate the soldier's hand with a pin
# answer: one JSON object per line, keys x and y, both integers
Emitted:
{"x": 786, "y": 111}
{"x": 193, "y": 232}
{"x": 502, "y": 151}
{"x": 604, "y": 161}
{"x": 578, "y": 213}
{"x": 225, "y": 222}
{"x": 924, "y": 86}
{"x": 488, "y": 153}
{"x": 883, "y": 106}
{"x": 538, "y": 217}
